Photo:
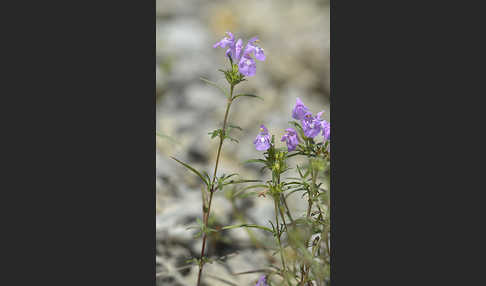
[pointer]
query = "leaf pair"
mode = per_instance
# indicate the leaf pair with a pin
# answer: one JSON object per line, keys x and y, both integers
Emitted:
{"x": 202, "y": 228}
{"x": 219, "y": 132}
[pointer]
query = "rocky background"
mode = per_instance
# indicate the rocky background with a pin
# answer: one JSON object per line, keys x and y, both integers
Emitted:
{"x": 295, "y": 36}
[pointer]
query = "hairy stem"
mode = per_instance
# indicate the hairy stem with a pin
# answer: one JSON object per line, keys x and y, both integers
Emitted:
{"x": 206, "y": 214}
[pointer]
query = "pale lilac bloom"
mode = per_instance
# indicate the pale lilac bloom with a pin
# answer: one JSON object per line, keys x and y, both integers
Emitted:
{"x": 262, "y": 141}
{"x": 299, "y": 110}
{"x": 326, "y": 130}
{"x": 312, "y": 125}
{"x": 243, "y": 57}
{"x": 247, "y": 66}
{"x": 226, "y": 41}
{"x": 251, "y": 47}
{"x": 261, "y": 281}
{"x": 290, "y": 137}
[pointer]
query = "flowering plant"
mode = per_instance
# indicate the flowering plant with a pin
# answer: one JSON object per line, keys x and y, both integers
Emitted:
{"x": 302, "y": 242}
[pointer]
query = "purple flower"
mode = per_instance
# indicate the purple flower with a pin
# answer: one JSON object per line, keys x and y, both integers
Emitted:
{"x": 326, "y": 130}
{"x": 252, "y": 48}
{"x": 226, "y": 41}
{"x": 290, "y": 137}
{"x": 247, "y": 66}
{"x": 312, "y": 125}
{"x": 243, "y": 57}
{"x": 261, "y": 281}
{"x": 262, "y": 141}
{"x": 299, "y": 110}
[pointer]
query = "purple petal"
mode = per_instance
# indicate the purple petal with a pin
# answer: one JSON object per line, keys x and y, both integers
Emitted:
{"x": 262, "y": 142}
{"x": 300, "y": 110}
{"x": 259, "y": 55}
{"x": 261, "y": 281}
{"x": 326, "y": 130}
{"x": 249, "y": 49}
{"x": 226, "y": 41}
{"x": 291, "y": 139}
{"x": 247, "y": 66}
{"x": 265, "y": 130}
{"x": 237, "y": 50}
{"x": 312, "y": 126}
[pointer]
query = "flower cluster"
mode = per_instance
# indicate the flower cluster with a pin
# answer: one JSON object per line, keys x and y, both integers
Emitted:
{"x": 311, "y": 125}
{"x": 243, "y": 57}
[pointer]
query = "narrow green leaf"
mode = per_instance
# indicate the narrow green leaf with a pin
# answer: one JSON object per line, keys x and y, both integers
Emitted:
{"x": 293, "y": 183}
{"x": 249, "y": 194}
{"x": 161, "y": 135}
{"x": 293, "y": 178}
{"x": 235, "y": 127}
{"x": 248, "y": 95}
{"x": 207, "y": 176}
{"x": 214, "y": 84}
{"x": 255, "y": 161}
{"x": 241, "y": 181}
{"x": 246, "y": 225}
{"x": 294, "y": 154}
{"x": 296, "y": 190}
{"x": 239, "y": 192}
{"x": 231, "y": 139}
{"x": 193, "y": 170}
{"x": 229, "y": 176}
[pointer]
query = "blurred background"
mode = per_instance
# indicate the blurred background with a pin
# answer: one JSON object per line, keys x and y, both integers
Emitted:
{"x": 295, "y": 36}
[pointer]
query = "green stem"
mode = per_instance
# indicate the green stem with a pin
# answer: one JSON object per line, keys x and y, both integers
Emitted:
{"x": 206, "y": 214}
{"x": 287, "y": 210}
{"x": 278, "y": 237}
{"x": 309, "y": 207}
{"x": 283, "y": 218}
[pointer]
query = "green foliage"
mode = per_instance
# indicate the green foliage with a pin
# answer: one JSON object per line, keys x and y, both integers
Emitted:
{"x": 219, "y": 133}
{"x": 247, "y": 95}
{"x": 215, "y": 85}
{"x": 247, "y": 225}
{"x": 300, "y": 264}
{"x": 233, "y": 76}
{"x": 301, "y": 240}
{"x": 205, "y": 180}
{"x": 166, "y": 137}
